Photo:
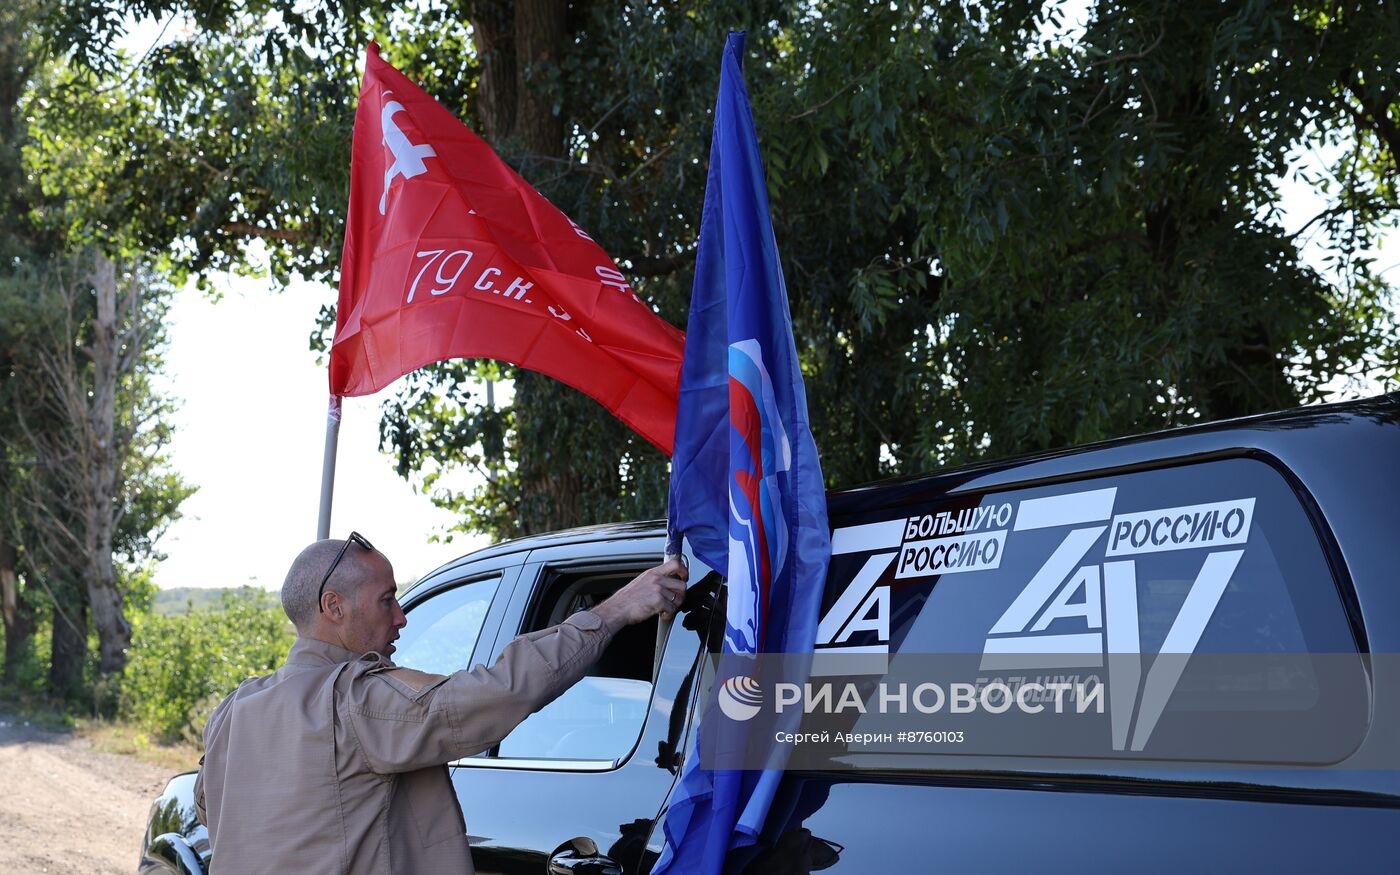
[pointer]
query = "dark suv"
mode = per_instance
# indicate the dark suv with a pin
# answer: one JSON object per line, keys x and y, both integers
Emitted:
{"x": 1269, "y": 536}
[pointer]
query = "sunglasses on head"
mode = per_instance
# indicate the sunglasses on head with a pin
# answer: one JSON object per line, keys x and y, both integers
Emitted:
{"x": 355, "y": 538}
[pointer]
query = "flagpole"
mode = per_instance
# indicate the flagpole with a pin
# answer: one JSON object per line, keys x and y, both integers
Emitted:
{"x": 663, "y": 628}
{"x": 674, "y": 549}
{"x": 323, "y": 524}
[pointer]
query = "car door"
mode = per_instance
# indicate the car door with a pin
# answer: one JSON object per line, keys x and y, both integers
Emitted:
{"x": 584, "y": 777}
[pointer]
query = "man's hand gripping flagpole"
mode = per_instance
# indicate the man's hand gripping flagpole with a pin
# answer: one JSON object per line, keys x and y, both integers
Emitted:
{"x": 666, "y": 619}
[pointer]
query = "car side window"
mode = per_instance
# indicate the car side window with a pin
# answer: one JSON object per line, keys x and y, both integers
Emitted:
{"x": 600, "y": 717}
{"x": 442, "y": 629}
{"x": 1199, "y": 596}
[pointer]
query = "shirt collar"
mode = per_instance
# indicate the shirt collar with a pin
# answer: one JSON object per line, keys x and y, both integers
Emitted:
{"x": 313, "y": 651}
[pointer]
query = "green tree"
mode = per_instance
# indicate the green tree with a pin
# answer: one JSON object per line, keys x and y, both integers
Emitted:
{"x": 21, "y": 244}
{"x": 85, "y": 487}
{"x": 999, "y": 236}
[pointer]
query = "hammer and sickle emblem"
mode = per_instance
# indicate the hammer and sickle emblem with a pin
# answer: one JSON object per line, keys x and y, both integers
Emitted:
{"x": 408, "y": 156}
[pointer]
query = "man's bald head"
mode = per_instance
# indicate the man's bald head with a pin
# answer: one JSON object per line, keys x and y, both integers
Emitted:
{"x": 299, "y": 590}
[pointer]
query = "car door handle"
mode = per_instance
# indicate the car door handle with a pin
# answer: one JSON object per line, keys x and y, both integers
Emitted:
{"x": 580, "y": 857}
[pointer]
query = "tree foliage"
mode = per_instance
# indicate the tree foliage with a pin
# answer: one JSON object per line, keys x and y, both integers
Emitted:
{"x": 1001, "y": 233}
{"x": 183, "y": 664}
{"x": 85, "y": 488}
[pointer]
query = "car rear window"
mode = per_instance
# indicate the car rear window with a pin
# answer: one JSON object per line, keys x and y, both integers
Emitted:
{"x": 1216, "y": 564}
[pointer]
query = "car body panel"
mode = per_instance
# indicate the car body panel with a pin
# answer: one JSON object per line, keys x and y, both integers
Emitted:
{"x": 894, "y": 825}
{"x": 175, "y": 840}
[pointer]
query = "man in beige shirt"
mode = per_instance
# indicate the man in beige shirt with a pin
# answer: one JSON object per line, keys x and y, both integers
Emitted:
{"x": 337, "y": 761}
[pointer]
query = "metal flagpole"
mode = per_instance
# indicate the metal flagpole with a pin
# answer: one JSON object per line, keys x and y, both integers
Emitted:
{"x": 663, "y": 627}
{"x": 491, "y": 406}
{"x": 663, "y": 631}
{"x": 323, "y": 525}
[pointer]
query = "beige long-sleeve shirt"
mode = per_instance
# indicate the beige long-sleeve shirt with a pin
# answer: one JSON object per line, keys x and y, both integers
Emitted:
{"x": 335, "y": 763}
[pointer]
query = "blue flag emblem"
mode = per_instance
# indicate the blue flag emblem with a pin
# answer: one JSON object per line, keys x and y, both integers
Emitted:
{"x": 757, "y": 528}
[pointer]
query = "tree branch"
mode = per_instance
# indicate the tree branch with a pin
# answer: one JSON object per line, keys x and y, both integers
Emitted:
{"x": 1132, "y": 56}
{"x": 1376, "y": 115}
{"x": 869, "y": 68}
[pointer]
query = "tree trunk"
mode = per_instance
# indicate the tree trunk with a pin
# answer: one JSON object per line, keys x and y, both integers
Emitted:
{"x": 1253, "y": 378}
{"x": 19, "y": 626}
{"x": 539, "y": 40}
{"x": 113, "y": 631}
{"x": 520, "y": 46}
{"x": 494, "y": 39}
{"x": 69, "y": 646}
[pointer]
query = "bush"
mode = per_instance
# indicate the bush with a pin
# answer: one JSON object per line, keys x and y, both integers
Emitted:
{"x": 182, "y": 664}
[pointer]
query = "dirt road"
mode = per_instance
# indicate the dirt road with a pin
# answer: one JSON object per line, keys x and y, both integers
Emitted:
{"x": 67, "y": 808}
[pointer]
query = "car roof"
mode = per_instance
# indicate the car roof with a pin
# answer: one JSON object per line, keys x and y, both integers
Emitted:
{"x": 580, "y": 534}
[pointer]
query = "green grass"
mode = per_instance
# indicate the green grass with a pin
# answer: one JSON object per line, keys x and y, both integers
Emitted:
{"x": 121, "y": 737}
{"x": 126, "y": 739}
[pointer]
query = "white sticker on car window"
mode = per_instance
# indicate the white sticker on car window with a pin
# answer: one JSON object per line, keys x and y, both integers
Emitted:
{"x": 1079, "y": 609}
{"x": 1103, "y": 595}
{"x": 1181, "y": 528}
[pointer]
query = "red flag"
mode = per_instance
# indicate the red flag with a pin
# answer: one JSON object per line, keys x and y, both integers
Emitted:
{"x": 450, "y": 254}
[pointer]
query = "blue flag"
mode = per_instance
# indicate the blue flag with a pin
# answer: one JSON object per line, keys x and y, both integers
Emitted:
{"x": 746, "y": 483}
